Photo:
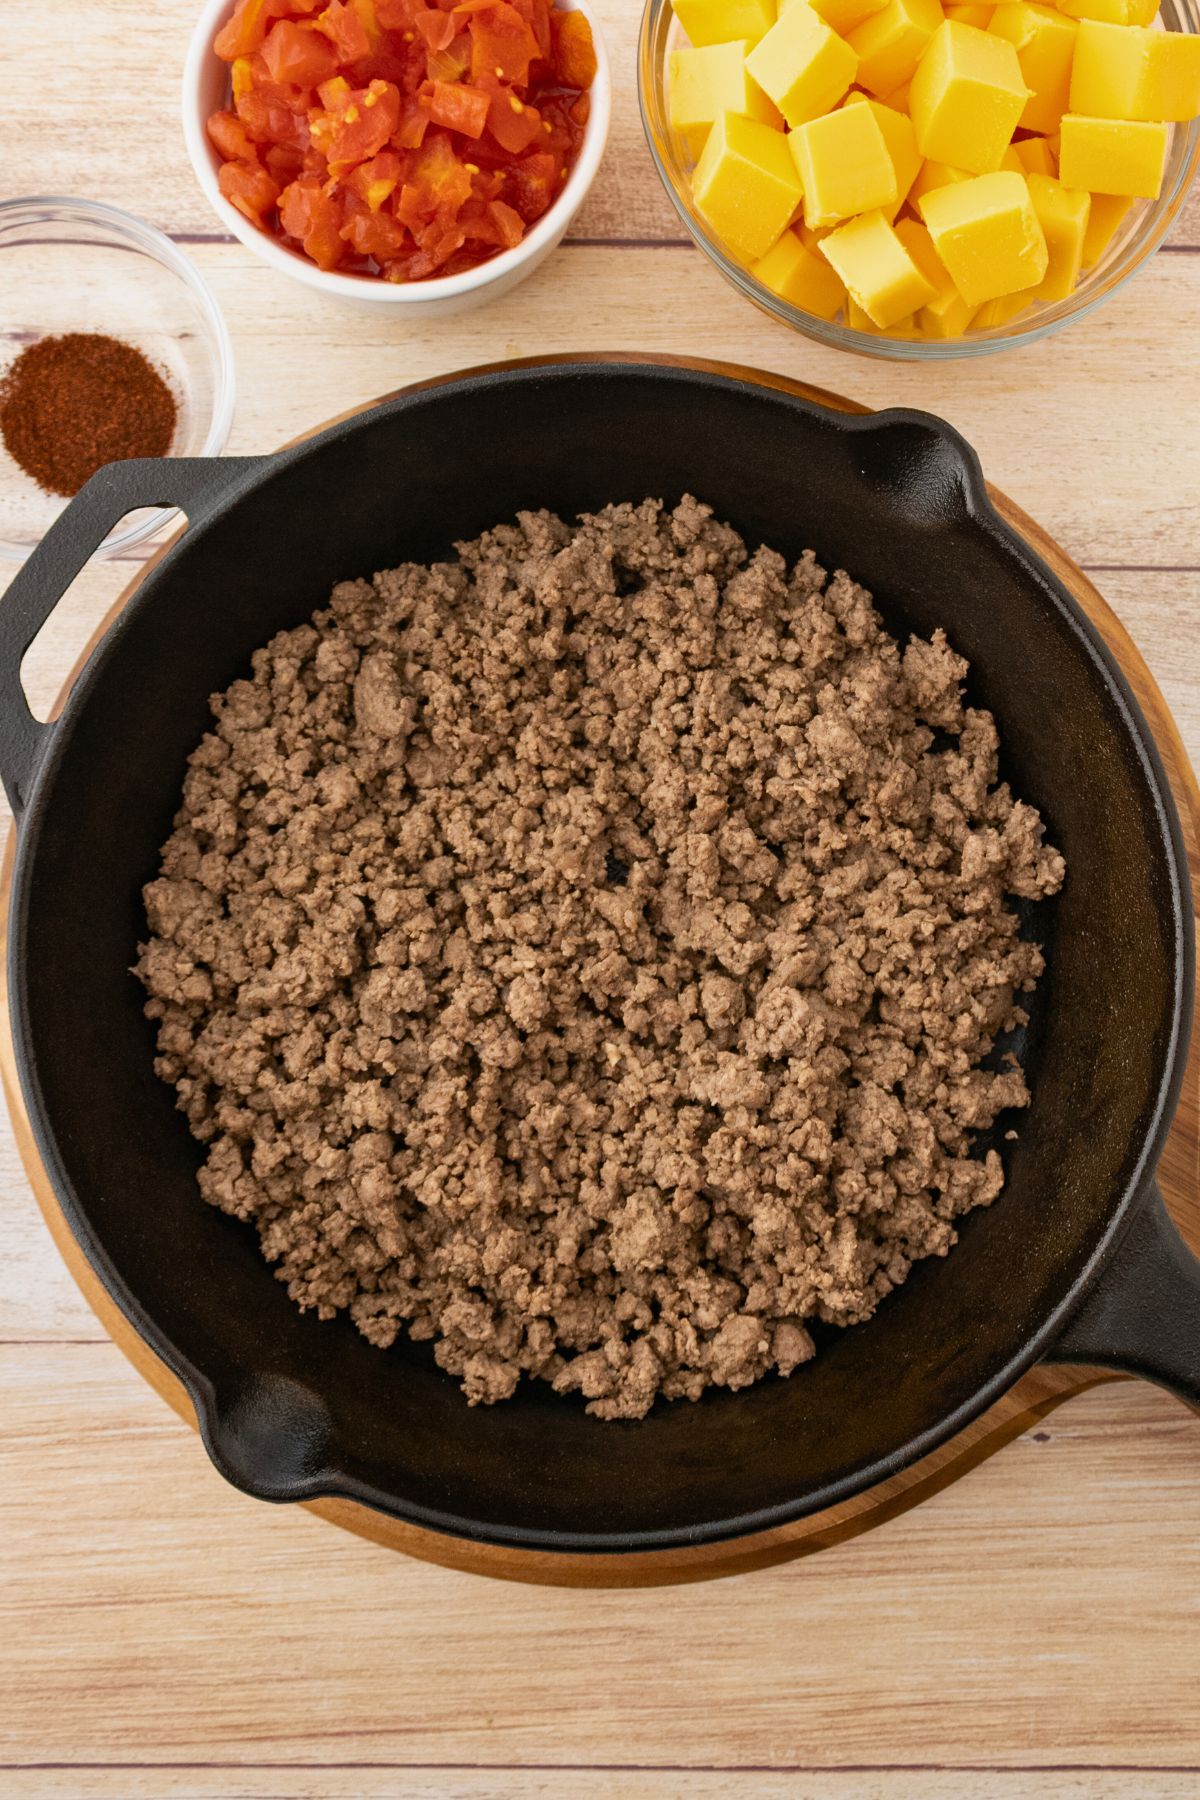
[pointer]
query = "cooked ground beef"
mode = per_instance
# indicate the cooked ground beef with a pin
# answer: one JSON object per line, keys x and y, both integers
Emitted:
{"x": 584, "y": 953}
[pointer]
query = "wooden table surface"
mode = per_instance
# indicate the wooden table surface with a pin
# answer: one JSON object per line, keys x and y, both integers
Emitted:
{"x": 1033, "y": 1630}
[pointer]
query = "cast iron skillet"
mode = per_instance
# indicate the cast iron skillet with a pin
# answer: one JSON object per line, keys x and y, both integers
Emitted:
{"x": 1077, "y": 1261}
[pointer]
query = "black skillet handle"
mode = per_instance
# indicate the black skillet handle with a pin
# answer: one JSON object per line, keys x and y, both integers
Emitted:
{"x": 194, "y": 483}
{"x": 1143, "y": 1315}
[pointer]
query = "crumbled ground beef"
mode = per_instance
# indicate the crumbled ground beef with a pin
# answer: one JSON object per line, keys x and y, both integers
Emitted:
{"x": 583, "y": 954}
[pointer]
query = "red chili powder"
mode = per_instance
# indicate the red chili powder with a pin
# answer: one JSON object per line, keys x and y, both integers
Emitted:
{"x": 71, "y": 404}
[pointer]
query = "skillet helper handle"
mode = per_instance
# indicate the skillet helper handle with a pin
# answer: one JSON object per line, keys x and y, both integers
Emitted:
{"x": 193, "y": 483}
{"x": 1143, "y": 1315}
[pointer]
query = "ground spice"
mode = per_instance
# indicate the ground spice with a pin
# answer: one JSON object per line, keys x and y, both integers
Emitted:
{"x": 71, "y": 404}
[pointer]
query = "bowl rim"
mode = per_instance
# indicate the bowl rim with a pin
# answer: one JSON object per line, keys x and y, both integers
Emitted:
{"x": 345, "y": 284}
{"x": 883, "y": 346}
{"x": 150, "y": 240}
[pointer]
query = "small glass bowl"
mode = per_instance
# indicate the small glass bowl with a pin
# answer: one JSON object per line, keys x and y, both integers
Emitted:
{"x": 1141, "y": 232}
{"x": 75, "y": 265}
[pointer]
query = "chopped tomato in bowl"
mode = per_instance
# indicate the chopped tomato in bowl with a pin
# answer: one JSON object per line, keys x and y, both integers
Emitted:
{"x": 397, "y": 148}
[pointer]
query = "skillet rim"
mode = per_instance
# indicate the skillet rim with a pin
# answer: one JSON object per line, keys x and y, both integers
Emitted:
{"x": 973, "y": 504}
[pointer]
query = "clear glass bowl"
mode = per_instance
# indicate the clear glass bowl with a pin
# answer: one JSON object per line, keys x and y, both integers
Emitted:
{"x": 1141, "y": 232}
{"x": 75, "y": 265}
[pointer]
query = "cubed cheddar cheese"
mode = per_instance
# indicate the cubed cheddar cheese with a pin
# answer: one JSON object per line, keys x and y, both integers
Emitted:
{"x": 1128, "y": 72}
{"x": 1063, "y": 216}
{"x": 901, "y": 140}
{"x": 803, "y": 65}
{"x": 707, "y": 82}
{"x": 844, "y": 165}
{"x": 1113, "y": 12}
{"x": 841, "y": 15}
{"x": 745, "y": 185}
{"x": 966, "y": 97}
{"x": 878, "y": 272}
{"x": 917, "y": 241}
{"x": 933, "y": 175}
{"x": 800, "y": 274}
{"x": 1006, "y": 307}
{"x": 858, "y": 320}
{"x": 1112, "y": 156}
{"x": 890, "y": 44}
{"x": 947, "y": 315}
{"x": 988, "y": 235}
{"x": 725, "y": 21}
{"x": 1035, "y": 156}
{"x": 1105, "y": 218}
{"x": 1045, "y": 45}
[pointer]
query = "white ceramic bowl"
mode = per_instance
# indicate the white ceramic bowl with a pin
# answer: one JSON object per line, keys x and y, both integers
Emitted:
{"x": 205, "y": 90}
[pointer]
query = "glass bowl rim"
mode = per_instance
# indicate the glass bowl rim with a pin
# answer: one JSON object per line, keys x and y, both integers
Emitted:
{"x": 153, "y": 242}
{"x": 1156, "y": 224}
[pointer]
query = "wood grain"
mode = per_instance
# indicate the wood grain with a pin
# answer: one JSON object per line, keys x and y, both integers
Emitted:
{"x": 1034, "y": 1630}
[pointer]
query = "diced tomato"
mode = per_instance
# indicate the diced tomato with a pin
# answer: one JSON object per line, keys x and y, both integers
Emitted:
{"x": 230, "y": 138}
{"x": 438, "y": 29}
{"x": 502, "y": 44}
{"x": 356, "y": 122}
{"x": 513, "y": 123}
{"x": 536, "y": 14}
{"x": 450, "y": 64}
{"x": 312, "y": 217}
{"x": 248, "y": 187}
{"x": 374, "y": 234}
{"x": 458, "y": 106}
{"x": 574, "y": 52}
{"x": 508, "y": 223}
{"x": 375, "y": 181}
{"x": 534, "y": 185}
{"x": 299, "y": 54}
{"x": 414, "y": 123}
{"x": 284, "y": 162}
{"x": 345, "y": 30}
{"x": 245, "y": 31}
{"x": 401, "y": 137}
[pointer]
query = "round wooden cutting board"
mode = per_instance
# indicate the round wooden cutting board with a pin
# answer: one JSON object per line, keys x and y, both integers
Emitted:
{"x": 1036, "y": 1394}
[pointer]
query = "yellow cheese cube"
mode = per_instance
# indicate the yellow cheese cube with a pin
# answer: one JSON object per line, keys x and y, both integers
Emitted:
{"x": 1045, "y": 44}
{"x": 1063, "y": 215}
{"x": 844, "y": 166}
{"x": 1127, "y": 72}
{"x": 802, "y": 276}
{"x": 1035, "y": 155}
{"x": 932, "y": 175}
{"x": 917, "y": 241}
{"x": 889, "y": 45}
{"x": 1113, "y": 12}
{"x": 987, "y": 234}
{"x": 947, "y": 315}
{"x": 858, "y": 320}
{"x": 971, "y": 14}
{"x": 1105, "y": 218}
{"x": 803, "y": 65}
{"x": 841, "y": 15}
{"x": 725, "y": 21}
{"x": 745, "y": 185}
{"x": 966, "y": 97}
{"x": 901, "y": 140}
{"x": 878, "y": 272}
{"x": 995, "y": 313}
{"x": 703, "y": 83}
{"x": 1112, "y": 156}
